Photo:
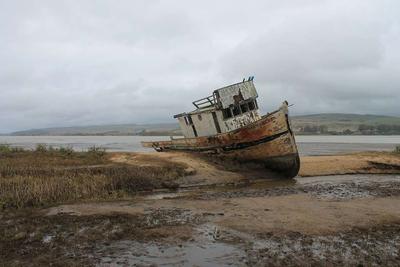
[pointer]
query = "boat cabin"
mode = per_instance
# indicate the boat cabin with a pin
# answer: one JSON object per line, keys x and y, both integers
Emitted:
{"x": 227, "y": 109}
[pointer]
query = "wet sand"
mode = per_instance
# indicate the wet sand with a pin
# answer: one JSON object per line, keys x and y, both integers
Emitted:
{"x": 341, "y": 210}
{"x": 356, "y": 163}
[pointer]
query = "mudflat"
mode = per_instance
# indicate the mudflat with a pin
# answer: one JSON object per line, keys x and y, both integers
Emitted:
{"x": 340, "y": 210}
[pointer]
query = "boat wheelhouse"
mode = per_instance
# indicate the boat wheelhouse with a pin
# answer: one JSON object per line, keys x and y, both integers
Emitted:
{"x": 227, "y": 109}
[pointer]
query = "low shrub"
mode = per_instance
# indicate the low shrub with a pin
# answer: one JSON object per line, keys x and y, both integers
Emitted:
{"x": 64, "y": 151}
{"x": 68, "y": 151}
{"x": 96, "y": 151}
{"x": 6, "y": 148}
{"x": 41, "y": 148}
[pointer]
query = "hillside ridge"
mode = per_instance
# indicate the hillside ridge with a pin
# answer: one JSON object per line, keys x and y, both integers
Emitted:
{"x": 321, "y": 123}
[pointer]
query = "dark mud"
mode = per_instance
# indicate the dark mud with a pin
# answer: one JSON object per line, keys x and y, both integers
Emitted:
{"x": 376, "y": 246}
{"x": 174, "y": 236}
{"x": 359, "y": 186}
{"x": 65, "y": 240}
{"x": 203, "y": 249}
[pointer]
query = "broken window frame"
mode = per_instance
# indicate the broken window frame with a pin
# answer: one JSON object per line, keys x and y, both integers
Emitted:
{"x": 249, "y": 105}
{"x": 252, "y": 105}
{"x": 244, "y": 107}
{"x": 236, "y": 110}
{"x": 227, "y": 113}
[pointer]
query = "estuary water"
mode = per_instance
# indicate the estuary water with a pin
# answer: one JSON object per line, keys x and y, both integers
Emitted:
{"x": 308, "y": 145}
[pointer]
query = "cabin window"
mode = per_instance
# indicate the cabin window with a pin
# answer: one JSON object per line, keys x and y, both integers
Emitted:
{"x": 252, "y": 105}
{"x": 236, "y": 110}
{"x": 244, "y": 107}
{"x": 227, "y": 113}
{"x": 199, "y": 117}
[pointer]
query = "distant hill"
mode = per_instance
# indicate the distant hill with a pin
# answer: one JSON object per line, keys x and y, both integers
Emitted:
{"x": 340, "y": 123}
{"x": 329, "y": 123}
{"x": 120, "y": 129}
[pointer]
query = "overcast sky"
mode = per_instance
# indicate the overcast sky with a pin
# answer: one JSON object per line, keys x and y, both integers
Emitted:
{"x": 65, "y": 63}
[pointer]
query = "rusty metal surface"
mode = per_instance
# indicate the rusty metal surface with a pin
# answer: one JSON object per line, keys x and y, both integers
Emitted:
{"x": 268, "y": 140}
{"x": 270, "y": 125}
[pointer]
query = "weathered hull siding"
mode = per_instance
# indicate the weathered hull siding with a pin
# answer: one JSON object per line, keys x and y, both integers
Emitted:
{"x": 269, "y": 141}
{"x": 279, "y": 154}
{"x": 238, "y": 121}
{"x": 204, "y": 124}
{"x": 186, "y": 129}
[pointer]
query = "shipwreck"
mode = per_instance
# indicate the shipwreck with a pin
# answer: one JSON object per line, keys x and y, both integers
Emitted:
{"x": 229, "y": 123}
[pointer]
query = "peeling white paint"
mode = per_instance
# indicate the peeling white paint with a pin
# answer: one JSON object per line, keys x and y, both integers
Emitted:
{"x": 240, "y": 121}
{"x": 201, "y": 122}
{"x": 227, "y": 94}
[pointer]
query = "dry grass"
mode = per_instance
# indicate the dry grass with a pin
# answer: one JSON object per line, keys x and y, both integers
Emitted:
{"x": 48, "y": 176}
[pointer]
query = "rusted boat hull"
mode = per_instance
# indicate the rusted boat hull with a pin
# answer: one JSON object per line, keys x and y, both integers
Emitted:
{"x": 268, "y": 141}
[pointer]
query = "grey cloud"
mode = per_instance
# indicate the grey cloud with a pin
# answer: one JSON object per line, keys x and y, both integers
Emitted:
{"x": 328, "y": 58}
{"x": 94, "y": 62}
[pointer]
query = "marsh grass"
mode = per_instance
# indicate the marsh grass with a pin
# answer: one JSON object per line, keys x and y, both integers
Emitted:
{"x": 46, "y": 176}
{"x": 6, "y": 148}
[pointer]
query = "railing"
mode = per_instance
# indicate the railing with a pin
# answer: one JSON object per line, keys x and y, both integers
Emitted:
{"x": 205, "y": 102}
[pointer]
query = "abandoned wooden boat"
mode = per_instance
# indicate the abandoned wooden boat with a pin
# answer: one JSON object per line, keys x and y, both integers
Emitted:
{"x": 229, "y": 123}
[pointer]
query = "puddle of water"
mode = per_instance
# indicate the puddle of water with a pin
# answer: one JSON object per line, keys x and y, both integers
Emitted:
{"x": 47, "y": 239}
{"x": 158, "y": 196}
{"x": 204, "y": 250}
